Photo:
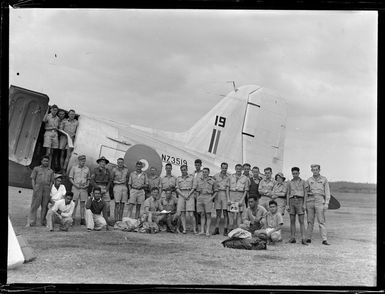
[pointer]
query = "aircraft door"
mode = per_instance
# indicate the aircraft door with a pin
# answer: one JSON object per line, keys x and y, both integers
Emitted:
{"x": 26, "y": 112}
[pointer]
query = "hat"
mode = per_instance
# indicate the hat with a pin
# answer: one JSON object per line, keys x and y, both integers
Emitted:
{"x": 56, "y": 176}
{"x": 102, "y": 158}
{"x": 280, "y": 175}
{"x": 80, "y": 157}
{"x": 139, "y": 163}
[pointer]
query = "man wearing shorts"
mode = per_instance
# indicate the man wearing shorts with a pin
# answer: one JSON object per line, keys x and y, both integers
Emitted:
{"x": 51, "y": 125}
{"x": 272, "y": 223}
{"x": 265, "y": 188}
{"x": 101, "y": 178}
{"x": 137, "y": 182}
{"x": 206, "y": 187}
{"x": 168, "y": 182}
{"x": 220, "y": 203}
{"x": 197, "y": 174}
{"x": 169, "y": 203}
{"x": 119, "y": 178}
{"x": 296, "y": 199}
{"x": 186, "y": 200}
{"x": 153, "y": 181}
{"x": 69, "y": 126}
{"x": 246, "y": 171}
{"x": 152, "y": 208}
{"x": 279, "y": 192}
{"x": 238, "y": 186}
{"x": 79, "y": 177}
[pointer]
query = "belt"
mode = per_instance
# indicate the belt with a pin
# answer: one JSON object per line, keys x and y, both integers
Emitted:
{"x": 206, "y": 194}
{"x": 296, "y": 197}
{"x": 283, "y": 197}
{"x": 185, "y": 189}
{"x": 236, "y": 191}
{"x": 223, "y": 190}
{"x": 48, "y": 130}
{"x": 119, "y": 183}
{"x": 100, "y": 184}
{"x": 137, "y": 188}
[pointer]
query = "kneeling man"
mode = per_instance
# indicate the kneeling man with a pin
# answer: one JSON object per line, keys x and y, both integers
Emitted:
{"x": 61, "y": 213}
{"x": 253, "y": 216}
{"x": 170, "y": 219}
{"x": 152, "y": 207}
{"x": 273, "y": 223}
{"x": 96, "y": 216}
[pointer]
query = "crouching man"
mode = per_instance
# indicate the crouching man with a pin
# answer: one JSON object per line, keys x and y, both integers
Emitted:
{"x": 96, "y": 216}
{"x": 253, "y": 216}
{"x": 61, "y": 213}
{"x": 152, "y": 207}
{"x": 272, "y": 224}
{"x": 170, "y": 219}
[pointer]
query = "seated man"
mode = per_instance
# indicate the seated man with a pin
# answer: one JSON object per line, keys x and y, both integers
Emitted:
{"x": 61, "y": 213}
{"x": 95, "y": 213}
{"x": 58, "y": 191}
{"x": 253, "y": 216}
{"x": 169, "y": 203}
{"x": 152, "y": 208}
{"x": 273, "y": 223}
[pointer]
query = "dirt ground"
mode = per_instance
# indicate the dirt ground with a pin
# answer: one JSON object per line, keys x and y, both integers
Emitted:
{"x": 127, "y": 257}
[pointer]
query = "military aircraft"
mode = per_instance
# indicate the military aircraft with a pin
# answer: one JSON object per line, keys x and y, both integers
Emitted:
{"x": 247, "y": 125}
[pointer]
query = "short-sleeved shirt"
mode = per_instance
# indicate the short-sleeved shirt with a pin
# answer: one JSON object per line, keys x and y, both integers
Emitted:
{"x": 120, "y": 175}
{"x": 101, "y": 175}
{"x": 185, "y": 183}
{"x": 57, "y": 194}
{"x": 169, "y": 205}
{"x": 43, "y": 176}
{"x": 69, "y": 126}
{"x": 66, "y": 209}
{"x": 96, "y": 206}
{"x": 296, "y": 188}
{"x": 168, "y": 182}
{"x": 266, "y": 185}
{"x": 80, "y": 175}
{"x": 251, "y": 215}
{"x": 153, "y": 182}
{"x": 206, "y": 185}
{"x": 51, "y": 122}
{"x": 280, "y": 188}
{"x": 137, "y": 180}
{"x": 273, "y": 220}
{"x": 222, "y": 181}
{"x": 319, "y": 186}
{"x": 239, "y": 184}
{"x": 153, "y": 205}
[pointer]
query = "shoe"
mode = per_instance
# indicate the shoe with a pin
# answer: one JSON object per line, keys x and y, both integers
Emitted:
{"x": 216, "y": 231}
{"x": 304, "y": 242}
{"x": 51, "y": 230}
{"x": 325, "y": 242}
{"x": 225, "y": 232}
{"x": 201, "y": 233}
{"x": 89, "y": 230}
{"x": 82, "y": 222}
{"x": 292, "y": 240}
{"x": 308, "y": 240}
{"x": 184, "y": 232}
{"x": 208, "y": 234}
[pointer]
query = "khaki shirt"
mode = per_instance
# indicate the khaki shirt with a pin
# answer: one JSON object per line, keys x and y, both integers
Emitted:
{"x": 101, "y": 176}
{"x": 265, "y": 185}
{"x": 239, "y": 184}
{"x": 273, "y": 220}
{"x": 69, "y": 126}
{"x": 168, "y": 183}
{"x": 137, "y": 180}
{"x": 153, "y": 182}
{"x": 254, "y": 215}
{"x": 152, "y": 205}
{"x": 80, "y": 175}
{"x": 169, "y": 205}
{"x": 296, "y": 188}
{"x": 222, "y": 181}
{"x": 185, "y": 183}
{"x": 51, "y": 122}
{"x": 206, "y": 186}
{"x": 280, "y": 188}
{"x": 43, "y": 176}
{"x": 319, "y": 186}
{"x": 119, "y": 175}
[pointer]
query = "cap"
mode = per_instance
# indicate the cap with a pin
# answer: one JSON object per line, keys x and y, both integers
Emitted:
{"x": 80, "y": 157}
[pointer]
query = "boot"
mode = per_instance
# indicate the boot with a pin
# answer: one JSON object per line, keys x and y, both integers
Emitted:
{"x": 225, "y": 232}
{"x": 216, "y": 231}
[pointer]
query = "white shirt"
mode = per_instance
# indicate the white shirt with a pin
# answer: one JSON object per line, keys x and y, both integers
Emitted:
{"x": 57, "y": 194}
{"x": 66, "y": 210}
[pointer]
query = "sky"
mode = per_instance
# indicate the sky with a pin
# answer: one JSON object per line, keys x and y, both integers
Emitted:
{"x": 167, "y": 68}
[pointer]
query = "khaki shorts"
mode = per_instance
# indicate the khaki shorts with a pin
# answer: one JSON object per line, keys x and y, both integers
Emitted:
{"x": 120, "y": 193}
{"x": 79, "y": 193}
{"x": 204, "y": 204}
{"x": 186, "y": 205}
{"x": 296, "y": 206}
{"x": 221, "y": 200}
{"x": 51, "y": 139}
{"x": 63, "y": 142}
{"x": 236, "y": 196}
{"x": 136, "y": 197}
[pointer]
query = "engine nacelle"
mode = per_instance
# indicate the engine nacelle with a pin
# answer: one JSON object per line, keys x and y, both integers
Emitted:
{"x": 147, "y": 155}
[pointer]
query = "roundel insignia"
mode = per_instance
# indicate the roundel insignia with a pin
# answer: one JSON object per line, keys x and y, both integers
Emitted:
{"x": 145, "y": 154}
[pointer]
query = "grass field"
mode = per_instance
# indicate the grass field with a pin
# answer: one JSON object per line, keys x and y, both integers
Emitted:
{"x": 164, "y": 258}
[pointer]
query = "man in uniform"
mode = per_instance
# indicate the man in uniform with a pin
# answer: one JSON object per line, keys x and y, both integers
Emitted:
{"x": 254, "y": 183}
{"x": 252, "y": 217}
{"x": 119, "y": 178}
{"x": 153, "y": 181}
{"x": 197, "y": 174}
{"x": 152, "y": 207}
{"x": 186, "y": 200}
{"x": 207, "y": 190}
{"x": 169, "y": 203}
{"x": 101, "y": 178}
{"x": 96, "y": 217}
{"x": 296, "y": 199}
{"x": 246, "y": 171}
{"x": 265, "y": 188}
{"x": 137, "y": 182}
{"x": 220, "y": 203}
{"x": 168, "y": 182}
{"x": 238, "y": 186}
{"x": 42, "y": 180}
{"x": 317, "y": 202}
{"x": 273, "y": 223}
{"x": 51, "y": 125}
{"x": 61, "y": 213}
{"x": 69, "y": 126}
{"x": 58, "y": 191}
{"x": 279, "y": 192}
{"x": 79, "y": 177}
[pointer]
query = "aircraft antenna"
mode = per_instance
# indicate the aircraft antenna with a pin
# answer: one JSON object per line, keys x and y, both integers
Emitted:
{"x": 235, "y": 88}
